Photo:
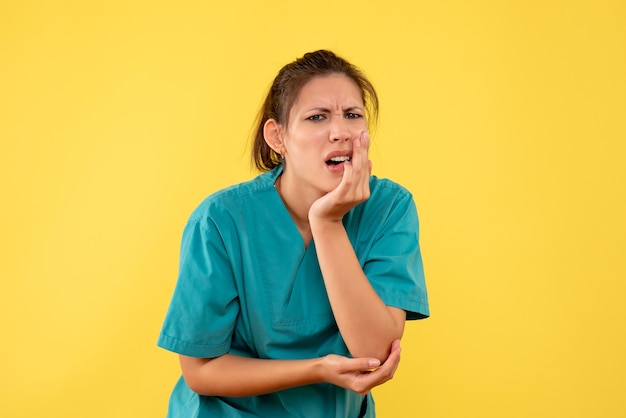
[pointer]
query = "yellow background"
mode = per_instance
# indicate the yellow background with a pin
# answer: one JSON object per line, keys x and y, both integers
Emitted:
{"x": 507, "y": 120}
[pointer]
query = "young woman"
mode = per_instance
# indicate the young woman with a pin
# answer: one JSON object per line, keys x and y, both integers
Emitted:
{"x": 294, "y": 287}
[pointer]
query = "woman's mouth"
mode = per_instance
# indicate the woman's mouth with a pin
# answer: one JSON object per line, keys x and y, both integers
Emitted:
{"x": 334, "y": 161}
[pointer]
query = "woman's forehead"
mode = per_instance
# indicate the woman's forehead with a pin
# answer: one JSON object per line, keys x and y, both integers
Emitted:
{"x": 326, "y": 90}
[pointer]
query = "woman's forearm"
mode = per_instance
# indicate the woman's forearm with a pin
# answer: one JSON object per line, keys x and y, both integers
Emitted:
{"x": 235, "y": 376}
{"x": 367, "y": 325}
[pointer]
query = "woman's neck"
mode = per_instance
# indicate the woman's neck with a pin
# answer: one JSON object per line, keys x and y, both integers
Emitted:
{"x": 298, "y": 202}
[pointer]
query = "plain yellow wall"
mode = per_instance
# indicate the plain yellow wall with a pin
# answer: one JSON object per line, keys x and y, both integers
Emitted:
{"x": 507, "y": 120}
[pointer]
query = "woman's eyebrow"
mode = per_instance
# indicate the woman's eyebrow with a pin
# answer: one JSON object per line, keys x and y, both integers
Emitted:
{"x": 319, "y": 109}
{"x": 327, "y": 110}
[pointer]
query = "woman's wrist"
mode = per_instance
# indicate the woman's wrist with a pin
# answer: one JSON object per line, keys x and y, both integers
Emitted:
{"x": 318, "y": 370}
{"x": 323, "y": 225}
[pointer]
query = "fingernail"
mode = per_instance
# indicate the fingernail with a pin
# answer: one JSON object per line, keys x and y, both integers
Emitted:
{"x": 373, "y": 363}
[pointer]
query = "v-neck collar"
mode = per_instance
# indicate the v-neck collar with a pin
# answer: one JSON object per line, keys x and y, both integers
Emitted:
{"x": 273, "y": 177}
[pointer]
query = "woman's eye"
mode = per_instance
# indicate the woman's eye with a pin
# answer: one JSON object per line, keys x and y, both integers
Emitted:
{"x": 315, "y": 118}
{"x": 352, "y": 116}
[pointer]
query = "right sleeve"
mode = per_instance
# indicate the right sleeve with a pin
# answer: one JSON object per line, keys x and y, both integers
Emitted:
{"x": 204, "y": 307}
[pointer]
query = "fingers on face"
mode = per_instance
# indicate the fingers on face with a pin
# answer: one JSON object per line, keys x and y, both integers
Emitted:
{"x": 365, "y": 164}
{"x": 365, "y": 140}
{"x": 363, "y": 144}
{"x": 361, "y": 147}
{"x": 356, "y": 173}
{"x": 360, "y": 165}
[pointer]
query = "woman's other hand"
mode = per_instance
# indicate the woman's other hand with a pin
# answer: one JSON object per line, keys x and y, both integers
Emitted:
{"x": 360, "y": 375}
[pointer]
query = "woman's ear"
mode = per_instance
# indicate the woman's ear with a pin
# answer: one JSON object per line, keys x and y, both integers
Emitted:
{"x": 272, "y": 133}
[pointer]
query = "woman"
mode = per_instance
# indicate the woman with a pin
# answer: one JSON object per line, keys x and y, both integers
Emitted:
{"x": 294, "y": 287}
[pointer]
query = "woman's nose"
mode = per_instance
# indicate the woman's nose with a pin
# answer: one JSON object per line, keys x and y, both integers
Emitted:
{"x": 339, "y": 131}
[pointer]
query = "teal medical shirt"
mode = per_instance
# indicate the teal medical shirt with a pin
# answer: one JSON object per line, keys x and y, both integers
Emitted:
{"x": 248, "y": 286}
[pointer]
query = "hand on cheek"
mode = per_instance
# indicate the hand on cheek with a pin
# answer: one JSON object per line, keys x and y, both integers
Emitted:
{"x": 355, "y": 181}
{"x": 353, "y": 188}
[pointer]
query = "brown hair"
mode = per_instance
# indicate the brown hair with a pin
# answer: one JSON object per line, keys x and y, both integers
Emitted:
{"x": 286, "y": 88}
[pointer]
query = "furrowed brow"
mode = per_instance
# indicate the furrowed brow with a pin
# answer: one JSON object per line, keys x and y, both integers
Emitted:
{"x": 319, "y": 109}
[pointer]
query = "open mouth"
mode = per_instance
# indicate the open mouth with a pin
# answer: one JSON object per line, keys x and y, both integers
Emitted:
{"x": 337, "y": 160}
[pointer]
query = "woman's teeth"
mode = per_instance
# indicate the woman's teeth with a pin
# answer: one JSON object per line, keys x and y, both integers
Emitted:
{"x": 338, "y": 160}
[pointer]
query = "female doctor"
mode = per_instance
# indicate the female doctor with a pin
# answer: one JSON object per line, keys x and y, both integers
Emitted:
{"x": 294, "y": 287}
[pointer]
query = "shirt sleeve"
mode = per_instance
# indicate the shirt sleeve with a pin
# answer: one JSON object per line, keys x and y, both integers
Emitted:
{"x": 204, "y": 307}
{"x": 394, "y": 263}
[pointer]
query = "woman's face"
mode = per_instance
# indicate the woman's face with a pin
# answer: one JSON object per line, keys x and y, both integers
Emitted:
{"x": 323, "y": 122}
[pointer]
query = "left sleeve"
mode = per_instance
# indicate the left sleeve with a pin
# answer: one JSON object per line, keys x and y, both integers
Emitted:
{"x": 394, "y": 263}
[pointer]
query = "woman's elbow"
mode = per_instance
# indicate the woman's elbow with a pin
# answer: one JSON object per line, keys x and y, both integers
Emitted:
{"x": 192, "y": 368}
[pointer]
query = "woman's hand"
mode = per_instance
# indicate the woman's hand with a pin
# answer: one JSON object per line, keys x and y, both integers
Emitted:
{"x": 353, "y": 189}
{"x": 361, "y": 375}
